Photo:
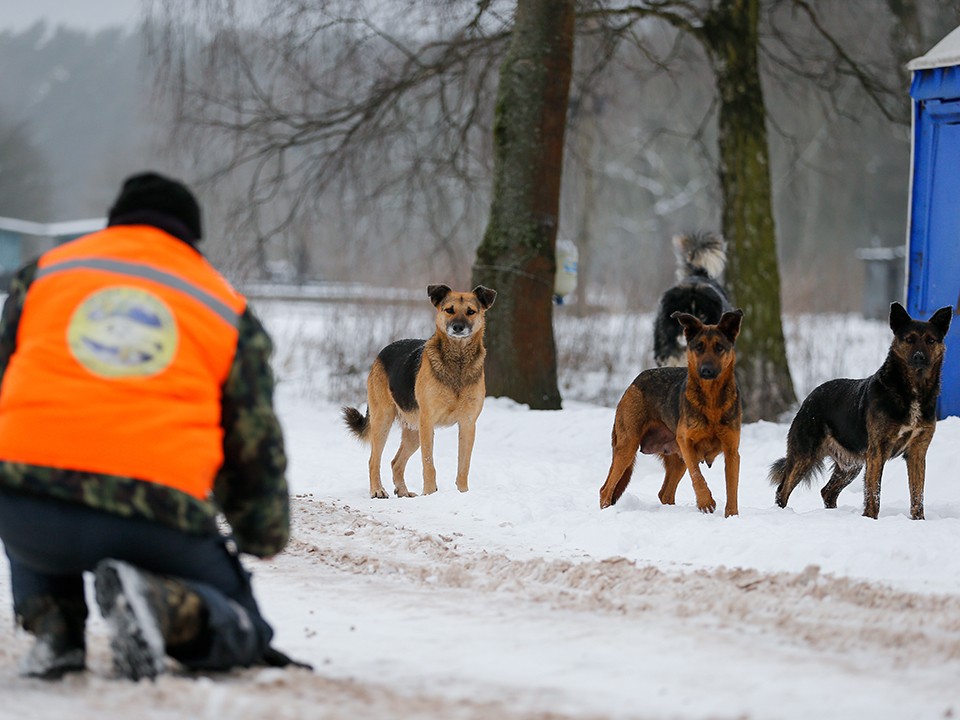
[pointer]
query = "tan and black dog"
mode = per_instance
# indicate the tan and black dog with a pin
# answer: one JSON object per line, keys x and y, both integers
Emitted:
{"x": 684, "y": 415}
{"x": 869, "y": 421}
{"x": 427, "y": 384}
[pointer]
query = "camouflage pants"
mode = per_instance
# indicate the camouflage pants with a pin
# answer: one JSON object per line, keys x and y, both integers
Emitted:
{"x": 51, "y": 543}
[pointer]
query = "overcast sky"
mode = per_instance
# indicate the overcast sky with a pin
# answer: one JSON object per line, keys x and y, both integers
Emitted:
{"x": 82, "y": 14}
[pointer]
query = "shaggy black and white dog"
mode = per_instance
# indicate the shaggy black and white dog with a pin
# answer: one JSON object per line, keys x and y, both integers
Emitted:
{"x": 701, "y": 259}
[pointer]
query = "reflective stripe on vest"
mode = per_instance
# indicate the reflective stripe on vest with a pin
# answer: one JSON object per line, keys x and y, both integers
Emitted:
{"x": 124, "y": 343}
{"x": 134, "y": 269}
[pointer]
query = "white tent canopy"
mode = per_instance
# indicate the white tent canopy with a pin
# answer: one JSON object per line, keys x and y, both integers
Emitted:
{"x": 945, "y": 53}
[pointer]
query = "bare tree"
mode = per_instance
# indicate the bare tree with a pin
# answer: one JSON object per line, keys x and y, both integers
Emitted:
{"x": 311, "y": 95}
{"x": 322, "y": 109}
{"x": 729, "y": 33}
{"x": 518, "y": 252}
{"x": 315, "y": 94}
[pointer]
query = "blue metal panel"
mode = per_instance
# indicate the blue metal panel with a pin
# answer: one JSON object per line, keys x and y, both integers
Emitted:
{"x": 938, "y": 84}
{"x": 934, "y": 262}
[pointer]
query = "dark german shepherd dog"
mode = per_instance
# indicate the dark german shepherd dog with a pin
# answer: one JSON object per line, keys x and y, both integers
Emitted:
{"x": 869, "y": 421}
{"x": 701, "y": 259}
{"x": 425, "y": 384}
{"x": 684, "y": 415}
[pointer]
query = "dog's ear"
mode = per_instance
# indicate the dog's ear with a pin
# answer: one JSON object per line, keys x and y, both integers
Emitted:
{"x": 691, "y": 324}
{"x": 941, "y": 320}
{"x": 485, "y": 296}
{"x": 437, "y": 293}
{"x": 729, "y": 324}
{"x": 899, "y": 318}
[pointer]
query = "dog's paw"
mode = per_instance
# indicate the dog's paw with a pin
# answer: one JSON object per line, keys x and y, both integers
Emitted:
{"x": 429, "y": 489}
{"x": 379, "y": 493}
{"x": 730, "y": 512}
{"x": 708, "y": 505}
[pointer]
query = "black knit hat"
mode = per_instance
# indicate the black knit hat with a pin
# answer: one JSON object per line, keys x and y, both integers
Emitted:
{"x": 152, "y": 199}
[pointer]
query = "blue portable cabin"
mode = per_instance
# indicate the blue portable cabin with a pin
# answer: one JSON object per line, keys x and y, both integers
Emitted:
{"x": 933, "y": 233}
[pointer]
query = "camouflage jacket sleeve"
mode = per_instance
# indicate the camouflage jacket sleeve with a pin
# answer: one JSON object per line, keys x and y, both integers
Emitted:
{"x": 251, "y": 487}
{"x": 12, "y": 309}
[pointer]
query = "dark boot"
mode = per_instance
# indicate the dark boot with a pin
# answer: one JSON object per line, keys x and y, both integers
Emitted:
{"x": 58, "y": 626}
{"x": 147, "y": 615}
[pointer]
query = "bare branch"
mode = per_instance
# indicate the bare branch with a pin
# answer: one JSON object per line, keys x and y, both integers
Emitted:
{"x": 878, "y": 92}
{"x": 684, "y": 16}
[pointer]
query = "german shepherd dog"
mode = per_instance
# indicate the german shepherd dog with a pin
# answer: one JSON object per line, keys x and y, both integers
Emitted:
{"x": 426, "y": 384}
{"x": 869, "y": 421}
{"x": 685, "y": 416}
{"x": 701, "y": 260}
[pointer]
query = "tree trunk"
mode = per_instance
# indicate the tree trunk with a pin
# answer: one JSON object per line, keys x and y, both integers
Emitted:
{"x": 517, "y": 255}
{"x": 730, "y": 33}
{"x": 587, "y": 201}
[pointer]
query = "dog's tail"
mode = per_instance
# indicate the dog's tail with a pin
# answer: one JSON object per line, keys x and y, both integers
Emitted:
{"x": 806, "y": 468}
{"x": 358, "y": 424}
{"x": 787, "y": 478}
{"x": 700, "y": 254}
{"x": 778, "y": 472}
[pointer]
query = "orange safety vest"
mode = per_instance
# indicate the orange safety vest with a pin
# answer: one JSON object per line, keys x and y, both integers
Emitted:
{"x": 125, "y": 340}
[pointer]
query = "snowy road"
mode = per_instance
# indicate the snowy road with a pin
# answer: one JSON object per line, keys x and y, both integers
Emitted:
{"x": 405, "y": 624}
{"x": 614, "y": 639}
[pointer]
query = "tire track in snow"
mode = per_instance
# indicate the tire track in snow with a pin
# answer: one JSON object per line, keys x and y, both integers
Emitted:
{"x": 808, "y": 609}
{"x": 240, "y": 695}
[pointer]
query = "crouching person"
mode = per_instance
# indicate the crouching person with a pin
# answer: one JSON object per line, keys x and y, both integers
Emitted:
{"x": 136, "y": 406}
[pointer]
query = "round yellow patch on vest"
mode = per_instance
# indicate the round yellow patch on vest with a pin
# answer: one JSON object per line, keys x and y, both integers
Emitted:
{"x": 123, "y": 332}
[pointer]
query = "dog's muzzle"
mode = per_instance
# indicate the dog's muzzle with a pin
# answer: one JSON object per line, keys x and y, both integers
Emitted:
{"x": 459, "y": 330}
{"x": 708, "y": 372}
{"x": 919, "y": 360}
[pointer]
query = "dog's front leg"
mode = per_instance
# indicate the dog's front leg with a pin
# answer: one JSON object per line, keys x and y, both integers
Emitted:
{"x": 426, "y": 455}
{"x": 468, "y": 432}
{"x": 731, "y": 469}
{"x": 871, "y": 483}
{"x": 916, "y": 457}
{"x": 705, "y": 501}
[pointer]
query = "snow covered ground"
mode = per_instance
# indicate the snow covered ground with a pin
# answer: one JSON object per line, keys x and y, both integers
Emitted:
{"x": 521, "y": 599}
